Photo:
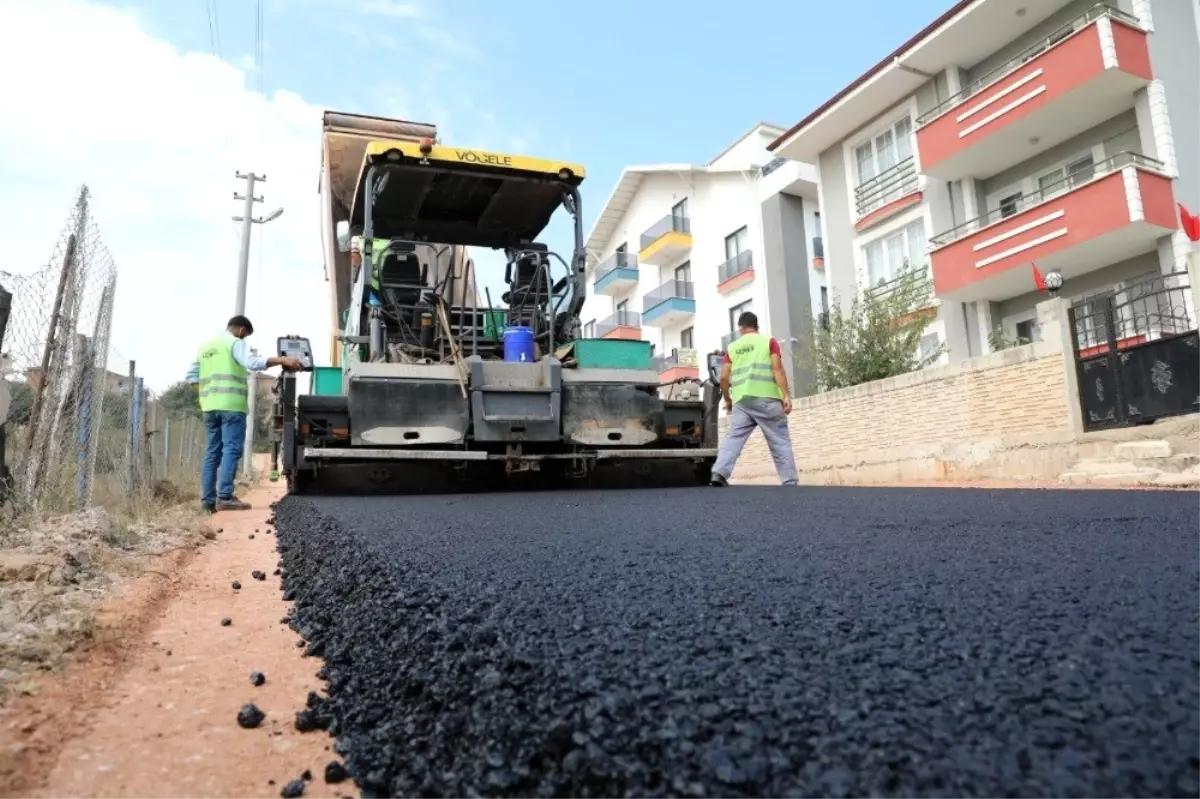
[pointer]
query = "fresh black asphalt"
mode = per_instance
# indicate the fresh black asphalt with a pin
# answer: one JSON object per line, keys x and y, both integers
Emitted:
{"x": 756, "y": 641}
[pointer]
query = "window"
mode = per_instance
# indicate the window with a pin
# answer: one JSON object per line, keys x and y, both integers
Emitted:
{"x": 737, "y": 311}
{"x": 589, "y": 330}
{"x": 683, "y": 274}
{"x": 824, "y": 300}
{"x": 886, "y": 256}
{"x": 1075, "y": 173}
{"x": 685, "y": 338}
{"x": 1028, "y": 330}
{"x": 737, "y": 243}
{"x": 884, "y": 151}
{"x": 623, "y": 248}
{"x": 1010, "y": 205}
{"x": 927, "y": 345}
{"x": 679, "y": 211}
{"x": 622, "y": 312}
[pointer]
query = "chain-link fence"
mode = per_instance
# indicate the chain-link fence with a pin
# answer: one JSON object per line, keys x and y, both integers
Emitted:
{"x": 75, "y": 431}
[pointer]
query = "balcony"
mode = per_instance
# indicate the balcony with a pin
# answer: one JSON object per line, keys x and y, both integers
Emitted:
{"x": 1077, "y": 225}
{"x": 623, "y": 325}
{"x": 728, "y": 339}
{"x": 818, "y": 256}
{"x": 617, "y": 274}
{"x": 887, "y": 194}
{"x": 1081, "y": 75}
{"x": 680, "y": 364}
{"x": 670, "y": 303}
{"x": 738, "y": 271}
{"x": 667, "y": 240}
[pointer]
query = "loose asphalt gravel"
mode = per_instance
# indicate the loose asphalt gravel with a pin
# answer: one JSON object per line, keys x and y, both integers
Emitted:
{"x": 756, "y": 641}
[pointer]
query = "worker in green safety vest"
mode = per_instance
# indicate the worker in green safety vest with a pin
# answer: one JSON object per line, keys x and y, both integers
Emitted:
{"x": 220, "y": 374}
{"x": 755, "y": 389}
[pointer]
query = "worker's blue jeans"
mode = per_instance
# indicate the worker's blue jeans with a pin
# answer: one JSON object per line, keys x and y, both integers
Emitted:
{"x": 225, "y": 432}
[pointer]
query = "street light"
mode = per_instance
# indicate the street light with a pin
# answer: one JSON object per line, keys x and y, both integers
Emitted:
{"x": 1054, "y": 282}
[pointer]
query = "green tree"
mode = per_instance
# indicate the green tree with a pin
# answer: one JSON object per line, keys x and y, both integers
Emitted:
{"x": 879, "y": 336}
{"x": 21, "y": 403}
{"x": 180, "y": 400}
{"x": 999, "y": 340}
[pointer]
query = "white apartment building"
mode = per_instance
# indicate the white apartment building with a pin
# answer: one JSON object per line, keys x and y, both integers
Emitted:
{"x": 680, "y": 250}
{"x": 1009, "y": 133}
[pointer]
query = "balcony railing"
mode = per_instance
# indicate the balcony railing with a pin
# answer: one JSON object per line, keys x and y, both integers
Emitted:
{"x": 890, "y": 184}
{"x": 1025, "y": 56}
{"x": 671, "y": 223}
{"x": 742, "y": 262}
{"x": 919, "y": 287}
{"x": 618, "y": 260}
{"x": 772, "y": 165}
{"x": 729, "y": 338}
{"x": 682, "y": 357}
{"x": 1066, "y": 184}
{"x": 818, "y": 247}
{"x": 672, "y": 289}
{"x": 618, "y": 320}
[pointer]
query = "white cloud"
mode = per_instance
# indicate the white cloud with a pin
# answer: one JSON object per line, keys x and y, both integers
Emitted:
{"x": 158, "y": 135}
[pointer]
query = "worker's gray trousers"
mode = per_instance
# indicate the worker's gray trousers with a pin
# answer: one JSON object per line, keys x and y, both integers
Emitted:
{"x": 767, "y": 415}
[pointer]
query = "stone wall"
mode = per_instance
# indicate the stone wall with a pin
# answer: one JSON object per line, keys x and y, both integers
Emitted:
{"x": 1000, "y": 416}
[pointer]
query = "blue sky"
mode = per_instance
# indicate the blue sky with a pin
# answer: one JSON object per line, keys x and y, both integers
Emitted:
{"x": 636, "y": 82}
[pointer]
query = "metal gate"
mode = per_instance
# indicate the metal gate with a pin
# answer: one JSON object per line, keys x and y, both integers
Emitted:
{"x": 1137, "y": 353}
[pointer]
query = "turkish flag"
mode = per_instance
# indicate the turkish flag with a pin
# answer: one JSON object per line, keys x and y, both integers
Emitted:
{"x": 1191, "y": 224}
{"x": 1037, "y": 279}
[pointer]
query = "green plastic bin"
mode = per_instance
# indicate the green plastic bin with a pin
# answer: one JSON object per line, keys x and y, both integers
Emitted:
{"x": 493, "y": 323}
{"x": 612, "y": 353}
{"x": 327, "y": 381}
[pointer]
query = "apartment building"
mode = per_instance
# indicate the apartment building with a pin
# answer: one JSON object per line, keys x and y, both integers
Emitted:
{"x": 680, "y": 250}
{"x": 1009, "y": 133}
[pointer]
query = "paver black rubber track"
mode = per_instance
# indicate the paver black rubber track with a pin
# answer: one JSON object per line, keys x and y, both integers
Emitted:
{"x": 757, "y": 641}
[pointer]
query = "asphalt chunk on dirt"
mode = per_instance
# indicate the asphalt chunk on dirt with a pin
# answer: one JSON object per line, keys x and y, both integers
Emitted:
{"x": 756, "y": 641}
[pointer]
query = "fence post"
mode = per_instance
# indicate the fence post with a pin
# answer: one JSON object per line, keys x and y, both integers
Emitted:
{"x": 166, "y": 434}
{"x": 129, "y": 422}
{"x": 83, "y": 418}
{"x": 149, "y": 428}
{"x": 99, "y": 383}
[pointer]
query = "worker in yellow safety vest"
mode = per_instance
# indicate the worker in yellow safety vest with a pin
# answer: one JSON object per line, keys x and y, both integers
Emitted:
{"x": 756, "y": 393}
{"x": 220, "y": 373}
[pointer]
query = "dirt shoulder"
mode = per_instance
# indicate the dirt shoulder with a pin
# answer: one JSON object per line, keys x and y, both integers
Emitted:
{"x": 149, "y": 707}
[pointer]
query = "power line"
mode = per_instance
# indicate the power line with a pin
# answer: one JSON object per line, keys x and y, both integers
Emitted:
{"x": 214, "y": 26}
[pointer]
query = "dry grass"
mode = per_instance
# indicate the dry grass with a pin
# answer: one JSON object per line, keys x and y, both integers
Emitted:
{"x": 56, "y": 570}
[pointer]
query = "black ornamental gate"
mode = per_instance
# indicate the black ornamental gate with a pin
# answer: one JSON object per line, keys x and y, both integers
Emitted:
{"x": 1137, "y": 353}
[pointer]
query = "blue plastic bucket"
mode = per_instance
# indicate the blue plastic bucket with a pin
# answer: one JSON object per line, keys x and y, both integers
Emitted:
{"x": 518, "y": 344}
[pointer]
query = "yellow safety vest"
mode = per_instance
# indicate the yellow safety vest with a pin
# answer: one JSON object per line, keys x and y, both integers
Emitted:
{"x": 223, "y": 382}
{"x": 752, "y": 374}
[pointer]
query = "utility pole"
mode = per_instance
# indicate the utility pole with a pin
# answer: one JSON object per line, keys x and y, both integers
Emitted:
{"x": 248, "y": 221}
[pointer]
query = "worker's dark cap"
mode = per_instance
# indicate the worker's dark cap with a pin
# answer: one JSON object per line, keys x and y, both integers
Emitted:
{"x": 241, "y": 321}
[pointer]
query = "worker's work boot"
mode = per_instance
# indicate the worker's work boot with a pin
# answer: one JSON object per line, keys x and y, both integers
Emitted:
{"x": 718, "y": 480}
{"x": 208, "y": 508}
{"x": 233, "y": 503}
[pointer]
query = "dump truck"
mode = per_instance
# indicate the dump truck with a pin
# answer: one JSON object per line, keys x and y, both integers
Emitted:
{"x": 437, "y": 388}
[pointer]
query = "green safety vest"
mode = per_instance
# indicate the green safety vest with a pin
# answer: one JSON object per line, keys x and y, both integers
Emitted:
{"x": 378, "y": 250}
{"x": 752, "y": 374}
{"x": 223, "y": 382}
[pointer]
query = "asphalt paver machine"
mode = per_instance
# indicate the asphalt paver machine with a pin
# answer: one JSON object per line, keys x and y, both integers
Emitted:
{"x": 440, "y": 391}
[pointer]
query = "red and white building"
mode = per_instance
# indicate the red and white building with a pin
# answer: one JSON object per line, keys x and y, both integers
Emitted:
{"x": 1009, "y": 133}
